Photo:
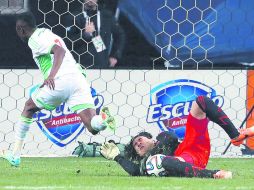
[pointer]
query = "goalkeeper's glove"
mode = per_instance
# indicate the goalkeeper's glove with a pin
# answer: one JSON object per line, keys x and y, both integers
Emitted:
{"x": 109, "y": 150}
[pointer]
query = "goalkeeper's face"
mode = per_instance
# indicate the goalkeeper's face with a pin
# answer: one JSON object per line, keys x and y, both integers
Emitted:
{"x": 142, "y": 145}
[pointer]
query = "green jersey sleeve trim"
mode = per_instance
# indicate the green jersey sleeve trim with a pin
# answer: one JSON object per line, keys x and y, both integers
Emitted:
{"x": 45, "y": 64}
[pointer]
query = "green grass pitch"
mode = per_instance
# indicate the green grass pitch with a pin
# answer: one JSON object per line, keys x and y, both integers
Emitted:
{"x": 98, "y": 173}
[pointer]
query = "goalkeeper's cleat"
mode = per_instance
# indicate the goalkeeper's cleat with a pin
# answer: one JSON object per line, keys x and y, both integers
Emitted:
{"x": 222, "y": 174}
{"x": 244, "y": 134}
{"x": 11, "y": 159}
{"x": 109, "y": 120}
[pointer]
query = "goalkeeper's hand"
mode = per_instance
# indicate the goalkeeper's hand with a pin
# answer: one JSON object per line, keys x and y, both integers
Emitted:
{"x": 109, "y": 150}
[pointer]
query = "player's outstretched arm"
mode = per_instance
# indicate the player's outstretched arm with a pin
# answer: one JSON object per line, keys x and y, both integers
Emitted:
{"x": 109, "y": 150}
{"x": 130, "y": 167}
{"x": 112, "y": 152}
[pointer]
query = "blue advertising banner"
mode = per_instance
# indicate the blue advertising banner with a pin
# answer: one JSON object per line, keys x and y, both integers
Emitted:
{"x": 61, "y": 125}
{"x": 170, "y": 103}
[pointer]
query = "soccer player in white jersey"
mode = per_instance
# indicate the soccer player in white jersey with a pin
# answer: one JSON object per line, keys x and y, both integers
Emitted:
{"x": 63, "y": 82}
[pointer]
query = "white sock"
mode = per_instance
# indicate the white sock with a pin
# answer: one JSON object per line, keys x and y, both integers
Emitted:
{"x": 97, "y": 123}
{"x": 22, "y": 128}
{"x": 17, "y": 148}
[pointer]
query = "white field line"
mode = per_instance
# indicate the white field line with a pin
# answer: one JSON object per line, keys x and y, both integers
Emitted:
{"x": 105, "y": 187}
{"x": 99, "y": 187}
{"x": 86, "y": 161}
{"x": 41, "y": 187}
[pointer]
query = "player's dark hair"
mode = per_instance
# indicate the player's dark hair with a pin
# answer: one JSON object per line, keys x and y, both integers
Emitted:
{"x": 130, "y": 152}
{"x": 28, "y": 18}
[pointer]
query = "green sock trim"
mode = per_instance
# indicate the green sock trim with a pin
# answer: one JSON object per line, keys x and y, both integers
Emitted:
{"x": 82, "y": 106}
{"x": 26, "y": 119}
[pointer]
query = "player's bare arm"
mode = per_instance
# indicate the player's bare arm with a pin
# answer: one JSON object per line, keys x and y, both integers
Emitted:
{"x": 59, "y": 53}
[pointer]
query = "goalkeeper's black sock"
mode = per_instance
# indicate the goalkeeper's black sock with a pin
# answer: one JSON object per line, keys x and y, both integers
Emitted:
{"x": 215, "y": 114}
{"x": 177, "y": 168}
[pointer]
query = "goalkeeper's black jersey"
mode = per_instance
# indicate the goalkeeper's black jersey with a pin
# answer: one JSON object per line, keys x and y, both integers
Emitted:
{"x": 166, "y": 144}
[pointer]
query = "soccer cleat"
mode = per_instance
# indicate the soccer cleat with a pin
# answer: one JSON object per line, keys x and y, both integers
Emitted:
{"x": 244, "y": 134}
{"x": 109, "y": 120}
{"x": 222, "y": 174}
{"x": 11, "y": 159}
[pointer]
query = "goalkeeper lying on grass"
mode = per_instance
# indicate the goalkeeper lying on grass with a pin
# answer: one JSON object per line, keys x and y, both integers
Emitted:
{"x": 186, "y": 159}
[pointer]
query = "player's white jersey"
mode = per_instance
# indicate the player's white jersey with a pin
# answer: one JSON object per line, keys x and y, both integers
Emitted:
{"x": 41, "y": 43}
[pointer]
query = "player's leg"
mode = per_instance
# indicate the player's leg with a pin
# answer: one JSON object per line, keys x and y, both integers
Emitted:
{"x": 216, "y": 114}
{"x": 41, "y": 98}
{"x": 244, "y": 134}
{"x": 96, "y": 123}
{"x": 196, "y": 141}
{"x": 86, "y": 117}
{"x": 176, "y": 167}
{"x": 23, "y": 125}
{"x": 21, "y": 130}
{"x": 81, "y": 102}
{"x": 196, "y": 112}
